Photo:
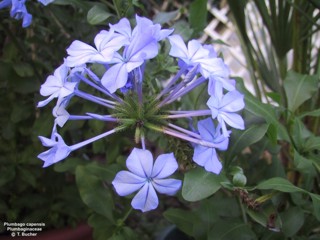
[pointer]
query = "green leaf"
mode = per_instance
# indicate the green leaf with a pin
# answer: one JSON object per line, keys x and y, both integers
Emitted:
{"x": 316, "y": 205}
{"x": 123, "y": 7}
{"x": 102, "y": 227}
{"x": 312, "y": 143}
{"x": 184, "y": 220}
{"x": 198, "y": 15}
{"x": 199, "y": 184}
{"x": 93, "y": 193}
{"x": 23, "y": 69}
{"x": 283, "y": 185}
{"x": 165, "y": 17}
{"x": 303, "y": 164}
{"x": 241, "y": 139}
{"x": 225, "y": 230}
{"x": 313, "y": 113}
{"x": 292, "y": 221}
{"x": 265, "y": 111}
{"x": 299, "y": 133}
{"x": 299, "y": 88}
{"x": 97, "y": 15}
{"x": 279, "y": 184}
{"x": 264, "y": 216}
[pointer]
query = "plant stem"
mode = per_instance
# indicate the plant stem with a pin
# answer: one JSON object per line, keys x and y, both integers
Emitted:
{"x": 243, "y": 211}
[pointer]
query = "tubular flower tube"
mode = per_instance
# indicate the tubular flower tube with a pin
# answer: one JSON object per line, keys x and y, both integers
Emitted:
{"x": 126, "y": 97}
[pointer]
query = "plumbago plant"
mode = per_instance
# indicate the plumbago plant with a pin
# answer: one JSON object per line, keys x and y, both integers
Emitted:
{"x": 122, "y": 86}
{"x": 141, "y": 116}
{"x": 155, "y": 97}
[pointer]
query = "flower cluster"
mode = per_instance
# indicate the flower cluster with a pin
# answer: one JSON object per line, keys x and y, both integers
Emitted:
{"x": 124, "y": 52}
{"x": 19, "y": 11}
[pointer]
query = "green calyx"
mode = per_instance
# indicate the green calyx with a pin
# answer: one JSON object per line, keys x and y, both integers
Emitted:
{"x": 132, "y": 114}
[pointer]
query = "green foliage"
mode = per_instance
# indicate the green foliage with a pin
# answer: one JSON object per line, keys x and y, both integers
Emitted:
{"x": 199, "y": 184}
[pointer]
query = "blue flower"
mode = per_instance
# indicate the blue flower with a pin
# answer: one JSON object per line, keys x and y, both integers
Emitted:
{"x": 106, "y": 42}
{"x": 57, "y": 86}
{"x": 223, "y": 107}
{"x": 57, "y": 152}
{"x": 147, "y": 178}
{"x": 207, "y": 156}
{"x": 19, "y": 11}
{"x": 143, "y": 45}
{"x": 195, "y": 54}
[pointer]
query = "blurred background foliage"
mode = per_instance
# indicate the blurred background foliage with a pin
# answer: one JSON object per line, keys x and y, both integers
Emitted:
{"x": 270, "y": 185}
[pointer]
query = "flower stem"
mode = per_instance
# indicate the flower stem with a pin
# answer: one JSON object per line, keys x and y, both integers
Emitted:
{"x": 172, "y": 81}
{"x": 185, "y": 114}
{"x": 105, "y": 91}
{"x": 91, "y": 140}
{"x": 92, "y": 98}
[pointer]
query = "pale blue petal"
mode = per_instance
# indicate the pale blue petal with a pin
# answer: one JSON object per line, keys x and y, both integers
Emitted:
{"x": 164, "y": 166}
{"x": 58, "y": 151}
{"x": 196, "y": 51}
{"x": 47, "y": 142}
{"x": 167, "y": 186}
{"x": 46, "y": 101}
{"x": 126, "y": 183}
{"x": 27, "y": 19}
{"x": 233, "y": 120}
{"x": 143, "y": 46}
{"x": 178, "y": 47}
{"x": 232, "y": 102}
{"x": 213, "y": 104}
{"x": 123, "y": 27}
{"x": 80, "y": 53}
{"x": 146, "y": 199}
{"x": 140, "y": 162}
{"x": 116, "y": 77}
{"x": 207, "y": 158}
{"x": 206, "y": 129}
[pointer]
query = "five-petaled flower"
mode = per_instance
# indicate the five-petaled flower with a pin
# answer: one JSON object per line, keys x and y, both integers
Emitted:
{"x": 147, "y": 178}
{"x": 207, "y": 157}
{"x": 224, "y": 108}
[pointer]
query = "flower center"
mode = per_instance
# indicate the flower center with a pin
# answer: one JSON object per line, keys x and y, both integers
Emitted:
{"x": 138, "y": 115}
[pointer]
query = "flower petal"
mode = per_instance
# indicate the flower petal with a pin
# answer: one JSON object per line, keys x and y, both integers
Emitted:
{"x": 140, "y": 162}
{"x": 164, "y": 166}
{"x": 146, "y": 199}
{"x": 116, "y": 77}
{"x": 233, "y": 120}
{"x": 167, "y": 186}
{"x": 232, "y": 102}
{"x": 207, "y": 158}
{"x": 79, "y": 53}
{"x": 206, "y": 129}
{"x": 126, "y": 183}
{"x": 178, "y": 47}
